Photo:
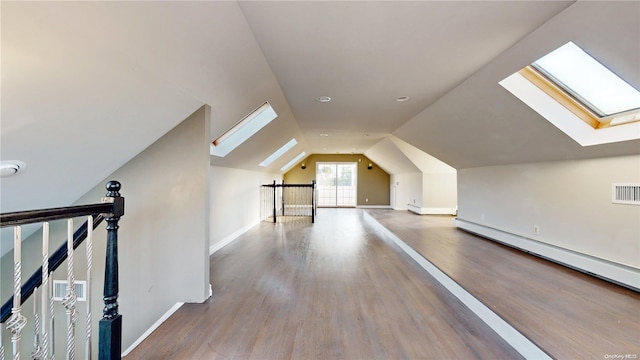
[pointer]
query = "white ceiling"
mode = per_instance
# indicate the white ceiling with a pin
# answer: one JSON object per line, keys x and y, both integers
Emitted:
{"x": 87, "y": 85}
{"x": 366, "y": 54}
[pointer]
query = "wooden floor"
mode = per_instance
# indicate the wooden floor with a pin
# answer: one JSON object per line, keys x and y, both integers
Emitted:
{"x": 329, "y": 290}
{"x": 338, "y": 290}
{"x": 568, "y": 314}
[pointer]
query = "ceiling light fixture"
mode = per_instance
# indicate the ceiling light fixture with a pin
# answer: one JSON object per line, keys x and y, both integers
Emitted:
{"x": 402, "y": 98}
{"x": 324, "y": 135}
{"x": 324, "y": 99}
{"x": 11, "y": 167}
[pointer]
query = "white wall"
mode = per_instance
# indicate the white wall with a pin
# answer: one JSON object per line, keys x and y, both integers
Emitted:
{"x": 570, "y": 201}
{"x": 440, "y": 193}
{"x": 408, "y": 190}
{"x": 438, "y": 182}
{"x": 235, "y": 202}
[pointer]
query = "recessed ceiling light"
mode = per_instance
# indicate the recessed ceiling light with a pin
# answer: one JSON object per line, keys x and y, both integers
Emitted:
{"x": 324, "y": 99}
{"x": 11, "y": 167}
{"x": 324, "y": 135}
{"x": 402, "y": 98}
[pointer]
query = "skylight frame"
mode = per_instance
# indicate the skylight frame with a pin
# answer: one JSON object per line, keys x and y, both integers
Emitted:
{"x": 561, "y": 74}
{"x": 569, "y": 115}
{"x": 564, "y": 118}
{"x": 243, "y": 130}
{"x": 278, "y": 153}
{"x": 293, "y": 161}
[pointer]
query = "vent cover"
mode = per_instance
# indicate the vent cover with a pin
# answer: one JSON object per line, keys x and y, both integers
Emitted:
{"x": 60, "y": 289}
{"x": 625, "y": 193}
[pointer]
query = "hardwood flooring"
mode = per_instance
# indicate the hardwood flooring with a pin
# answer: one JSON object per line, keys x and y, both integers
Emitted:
{"x": 568, "y": 314}
{"x": 329, "y": 290}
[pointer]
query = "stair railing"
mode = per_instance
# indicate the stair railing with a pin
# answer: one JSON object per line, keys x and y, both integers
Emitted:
{"x": 288, "y": 202}
{"x": 110, "y": 326}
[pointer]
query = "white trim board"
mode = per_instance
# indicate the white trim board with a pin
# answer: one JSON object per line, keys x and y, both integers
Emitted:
{"x": 513, "y": 337}
{"x": 373, "y": 207}
{"x": 229, "y": 238}
{"x": 153, "y": 327}
{"x": 616, "y": 273}
{"x": 431, "y": 211}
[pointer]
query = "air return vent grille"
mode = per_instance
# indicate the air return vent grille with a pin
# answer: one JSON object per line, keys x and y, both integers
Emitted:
{"x": 60, "y": 290}
{"x": 625, "y": 194}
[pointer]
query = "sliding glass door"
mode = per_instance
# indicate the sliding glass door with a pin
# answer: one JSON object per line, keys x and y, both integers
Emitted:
{"x": 337, "y": 184}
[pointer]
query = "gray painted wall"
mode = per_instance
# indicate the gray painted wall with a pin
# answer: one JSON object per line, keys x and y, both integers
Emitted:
{"x": 235, "y": 201}
{"x": 570, "y": 201}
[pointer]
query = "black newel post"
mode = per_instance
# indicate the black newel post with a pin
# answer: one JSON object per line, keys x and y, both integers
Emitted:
{"x": 110, "y": 336}
{"x": 313, "y": 207}
{"x": 274, "y": 202}
{"x": 283, "y": 214}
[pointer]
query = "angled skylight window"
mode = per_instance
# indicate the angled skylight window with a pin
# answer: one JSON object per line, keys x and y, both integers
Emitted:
{"x": 580, "y": 96}
{"x": 293, "y": 161}
{"x": 243, "y": 130}
{"x": 278, "y": 153}
{"x": 582, "y": 76}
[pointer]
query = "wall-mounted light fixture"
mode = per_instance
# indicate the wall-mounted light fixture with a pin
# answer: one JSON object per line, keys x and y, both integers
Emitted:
{"x": 304, "y": 166}
{"x": 370, "y": 166}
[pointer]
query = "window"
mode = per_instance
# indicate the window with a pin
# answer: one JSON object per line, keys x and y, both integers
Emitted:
{"x": 585, "y": 86}
{"x": 278, "y": 153}
{"x": 243, "y": 130}
{"x": 568, "y": 85}
{"x": 293, "y": 161}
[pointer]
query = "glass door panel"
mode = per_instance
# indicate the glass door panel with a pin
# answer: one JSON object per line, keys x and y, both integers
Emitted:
{"x": 336, "y": 184}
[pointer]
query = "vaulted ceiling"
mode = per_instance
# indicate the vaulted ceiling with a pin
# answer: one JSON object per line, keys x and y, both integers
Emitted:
{"x": 87, "y": 85}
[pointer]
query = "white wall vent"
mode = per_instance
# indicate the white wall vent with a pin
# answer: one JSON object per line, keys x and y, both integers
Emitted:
{"x": 60, "y": 289}
{"x": 625, "y": 193}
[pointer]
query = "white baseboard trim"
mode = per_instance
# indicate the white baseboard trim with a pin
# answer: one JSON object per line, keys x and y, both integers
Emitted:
{"x": 431, "y": 211}
{"x": 620, "y": 274}
{"x": 153, "y": 327}
{"x": 229, "y": 238}
{"x": 513, "y": 337}
{"x": 373, "y": 207}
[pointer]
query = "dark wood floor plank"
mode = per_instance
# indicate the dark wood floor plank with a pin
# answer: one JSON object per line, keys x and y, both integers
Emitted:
{"x": 331, "y": 290}
{"x": 568, "y": 314}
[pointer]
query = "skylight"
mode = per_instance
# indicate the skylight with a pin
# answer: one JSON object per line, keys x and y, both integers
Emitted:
{"x": 589, "y": 81}
{"x": 243, "y": 130}
{"x": 293, "y": 161}
{"x": 278, "y": 153}
{"x": 580, "y": 96}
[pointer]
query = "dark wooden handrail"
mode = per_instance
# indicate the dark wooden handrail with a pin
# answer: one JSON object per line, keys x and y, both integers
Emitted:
{"x": 289, "y": 185}
{"x": 38, "y": 216}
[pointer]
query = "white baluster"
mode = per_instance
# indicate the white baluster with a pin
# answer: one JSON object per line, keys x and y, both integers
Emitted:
{"x": 88, "y": 289}
{"x": 17, "y": 321}
{"x": 70, "y": 299}
{"x": 44, "y": 298}
{"x": 1, "y": 346}
{"x": 36, "y": 353}
{"x": 52, "y": 322}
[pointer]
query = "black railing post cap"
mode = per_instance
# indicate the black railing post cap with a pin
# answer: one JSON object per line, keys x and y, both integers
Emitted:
{"x": 113, "y": 188}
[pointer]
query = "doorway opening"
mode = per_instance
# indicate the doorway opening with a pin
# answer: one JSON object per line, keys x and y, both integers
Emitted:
{"x": 337, "y": 184}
